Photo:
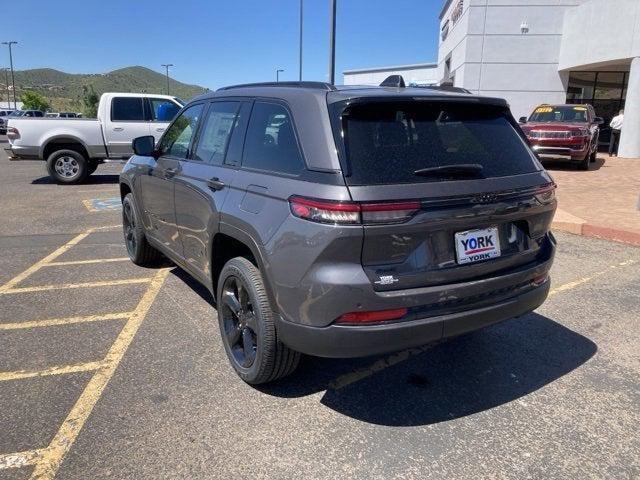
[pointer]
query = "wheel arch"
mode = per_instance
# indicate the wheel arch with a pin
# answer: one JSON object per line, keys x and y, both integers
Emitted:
{"x": 232, "y": 242}
{"x": 63, "y": 142}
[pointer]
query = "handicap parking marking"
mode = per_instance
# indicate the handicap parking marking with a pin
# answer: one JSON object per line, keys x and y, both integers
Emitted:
{"x": 46, "y": 461}
{"x": 103, "y": 204}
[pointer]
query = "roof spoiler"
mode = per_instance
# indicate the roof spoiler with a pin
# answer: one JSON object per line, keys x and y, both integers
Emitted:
{"x": 395, "y": 81}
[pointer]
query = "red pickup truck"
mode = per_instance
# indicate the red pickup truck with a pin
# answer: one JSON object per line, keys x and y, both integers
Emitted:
{"x": 568, "y": 132}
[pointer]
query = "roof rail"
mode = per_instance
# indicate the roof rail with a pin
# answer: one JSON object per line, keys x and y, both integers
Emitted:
{"x": 314, "y": 85}
{"x": 445, "y": 88}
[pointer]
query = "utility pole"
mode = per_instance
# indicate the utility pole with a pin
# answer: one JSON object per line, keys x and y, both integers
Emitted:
{"x": 278, "y": 74}
{"x": 6, "y": 84}
{"x": 13, "y": 82}
{"x": 166, "y": 66}
{"x": 332, "y": 41}
{"x": 300, "y": 52}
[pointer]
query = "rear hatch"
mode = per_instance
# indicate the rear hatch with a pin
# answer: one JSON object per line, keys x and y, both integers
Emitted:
{"x": 450, "y": 191}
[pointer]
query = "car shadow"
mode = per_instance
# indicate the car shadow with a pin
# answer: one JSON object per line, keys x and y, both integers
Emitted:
{"x": 94, "y": 179}
{"x": 196, "y": 286}
{"x": 466, "y": 375}
{"x": 565, "y": 166}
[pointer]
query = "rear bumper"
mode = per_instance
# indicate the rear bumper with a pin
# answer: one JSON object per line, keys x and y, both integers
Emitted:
{"x": 22, "y": 153}
{"x": 342, "y": 341}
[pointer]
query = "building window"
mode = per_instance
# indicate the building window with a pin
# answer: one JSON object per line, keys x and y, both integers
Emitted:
{"x": 606, "y": 91}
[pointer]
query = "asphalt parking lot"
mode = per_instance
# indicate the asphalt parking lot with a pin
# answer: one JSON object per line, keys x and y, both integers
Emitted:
{"x": 108, "y": 370}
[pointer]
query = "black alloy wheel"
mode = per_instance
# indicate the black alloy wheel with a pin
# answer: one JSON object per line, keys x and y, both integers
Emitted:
{"x": 239, "y": 321}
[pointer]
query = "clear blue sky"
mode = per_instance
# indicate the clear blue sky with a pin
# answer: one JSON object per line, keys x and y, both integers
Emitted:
{"x": 214, "y": 43}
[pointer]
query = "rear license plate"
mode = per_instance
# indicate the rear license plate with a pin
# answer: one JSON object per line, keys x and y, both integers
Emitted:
{"x": 476, "y": 245}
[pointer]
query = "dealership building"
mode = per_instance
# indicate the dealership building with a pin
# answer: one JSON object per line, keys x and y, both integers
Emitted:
{"x": 538, "y": 51}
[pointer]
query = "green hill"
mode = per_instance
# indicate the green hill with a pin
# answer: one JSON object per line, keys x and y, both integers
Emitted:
{"x": 64, "y": 90}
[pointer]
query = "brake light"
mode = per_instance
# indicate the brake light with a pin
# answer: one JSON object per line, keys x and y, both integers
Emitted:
{"x": 12, "y": 132}
{"x": 371, "y": 317}
{"x": 352, "y": 213}
{"x": 546, "y": 194}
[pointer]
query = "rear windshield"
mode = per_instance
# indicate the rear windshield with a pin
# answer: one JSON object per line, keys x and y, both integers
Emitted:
{"x": 562, "y": 113}
{"x": 387, "y": 142}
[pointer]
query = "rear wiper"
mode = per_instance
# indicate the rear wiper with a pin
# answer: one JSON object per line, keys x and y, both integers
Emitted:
{"x": 461, "y": 170}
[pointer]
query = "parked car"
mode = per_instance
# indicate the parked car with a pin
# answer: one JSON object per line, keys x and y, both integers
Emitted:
{"x": 73, "y": 148}
{"x": 3, "y": 120}
{"x": 343, "y": 222}
{"x": 568, "y": 132}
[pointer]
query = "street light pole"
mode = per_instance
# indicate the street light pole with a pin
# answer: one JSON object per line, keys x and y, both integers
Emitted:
{"x": 300, "y": 52}
{"x": 6, "y": 84}
{"x": 166, "y": 66}
{"x": 278, "y": 74}
{"x": 332, "y": 41}
{"x": 13, "y": 82}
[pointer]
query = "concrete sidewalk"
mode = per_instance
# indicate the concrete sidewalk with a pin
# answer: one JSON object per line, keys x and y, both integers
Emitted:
{"x": 602, "y": 202}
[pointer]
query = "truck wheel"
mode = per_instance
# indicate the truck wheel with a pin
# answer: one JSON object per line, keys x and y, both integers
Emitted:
{"x": 92, "y": 167}
{"x": 594, "y": 155}
{"x": 247, "y": 326}
{"x": 67, "y": 166}
{"x": 138, "y": 248}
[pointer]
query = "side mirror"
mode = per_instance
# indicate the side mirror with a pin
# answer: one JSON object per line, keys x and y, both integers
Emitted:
{"x": 144, "y": 146}
{"x": 598, "y": 120}
{"x": 522, "y": 120}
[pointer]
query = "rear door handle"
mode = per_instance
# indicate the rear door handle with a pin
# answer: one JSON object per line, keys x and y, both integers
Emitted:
{"x": 215, "y": 183}
{"x": 118, "y": 129}
{"x": 170, "y": 172}
{"x": 159, "y": 129}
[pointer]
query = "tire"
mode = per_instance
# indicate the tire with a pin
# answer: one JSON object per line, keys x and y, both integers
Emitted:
{"x": 584, "y": 164}
{"x": 247, "y": 325}
{"x": 93, "y": 166}
{"x": 138, "y": 248}
{"x": 67, "y": 167}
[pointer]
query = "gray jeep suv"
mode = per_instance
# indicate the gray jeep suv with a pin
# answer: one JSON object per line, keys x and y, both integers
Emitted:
{"x": 342, "y": 221}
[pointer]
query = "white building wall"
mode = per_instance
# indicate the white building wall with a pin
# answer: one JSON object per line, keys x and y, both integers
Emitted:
{"x": 425, "y": 74}
{"x": 492, "y": 56}
{"x": 613, "y": 28}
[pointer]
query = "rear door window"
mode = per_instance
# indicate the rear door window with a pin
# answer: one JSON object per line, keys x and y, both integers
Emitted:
{"x": 271, "y": 143}
{"x": 127, "y": 109}
{"x": 388, "y": 142}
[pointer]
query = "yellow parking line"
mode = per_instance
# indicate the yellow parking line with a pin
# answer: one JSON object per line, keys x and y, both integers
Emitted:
{"x": 58, "y": 370}
{"x": 52, "y": 256}
{"x": 36, "y": 266}
{"x": 89, "y": 206}
{"x": 20, "y": 459}
{"x": 87, "y": 262}
{"x": 65, "y": 286}
{"x": 571, "y": 285}
{"x": 51, "y": 459}
{"x": 360, "y": 374}
{"x": 50, "y": 322}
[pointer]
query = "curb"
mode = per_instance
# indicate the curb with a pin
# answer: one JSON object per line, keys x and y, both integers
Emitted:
{"x": 596, "y": 231}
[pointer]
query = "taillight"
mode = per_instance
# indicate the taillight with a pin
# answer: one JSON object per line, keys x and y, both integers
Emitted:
{"x": 324, "y": 211}
{"x": 12, "y": 132}
{"x": 352, "y": 213}
{"x": 546, "y": 194}
{"x": 372, "y": 317}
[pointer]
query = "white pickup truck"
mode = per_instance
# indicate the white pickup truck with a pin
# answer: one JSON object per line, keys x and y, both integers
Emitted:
{"x": 74, "y": 147}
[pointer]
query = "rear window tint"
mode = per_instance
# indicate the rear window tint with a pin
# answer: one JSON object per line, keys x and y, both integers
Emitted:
{"x": 125, "y": 109}
{"x": 386, "y": 142}
{"x": 271, "y": 142}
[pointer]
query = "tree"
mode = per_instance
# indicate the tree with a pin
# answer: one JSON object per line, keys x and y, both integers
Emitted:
{"x": 34, "y": 101}
{"x": 90, "y": 101}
